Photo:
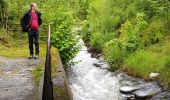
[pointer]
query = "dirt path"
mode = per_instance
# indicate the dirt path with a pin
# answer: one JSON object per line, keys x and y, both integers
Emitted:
{"x": 17, "y": 80}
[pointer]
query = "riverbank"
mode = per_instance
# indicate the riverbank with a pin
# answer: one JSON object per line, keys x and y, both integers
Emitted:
{"x": 132, "y": 37}
{"x": 151, "y": 63}
{"x": 139, "y": 87}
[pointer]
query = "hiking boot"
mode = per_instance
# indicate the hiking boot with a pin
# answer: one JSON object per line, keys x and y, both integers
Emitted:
{"x": 30, "y": 57}
{"x": 36, "y": 56}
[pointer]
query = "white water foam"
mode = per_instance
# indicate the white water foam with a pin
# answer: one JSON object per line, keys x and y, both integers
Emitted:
{"x": 90, "y": 82}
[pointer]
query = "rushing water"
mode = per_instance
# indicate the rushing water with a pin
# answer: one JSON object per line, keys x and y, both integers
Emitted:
{"x": 90, "y": 82}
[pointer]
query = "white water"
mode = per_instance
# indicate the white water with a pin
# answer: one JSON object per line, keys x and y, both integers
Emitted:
{"x": 92, "y": 83}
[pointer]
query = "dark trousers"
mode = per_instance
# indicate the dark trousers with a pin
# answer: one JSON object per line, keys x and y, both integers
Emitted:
{"x": 33, "y": 38}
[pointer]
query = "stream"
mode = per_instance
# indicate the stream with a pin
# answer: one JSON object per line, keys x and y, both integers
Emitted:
{"x": 90, "y": 79}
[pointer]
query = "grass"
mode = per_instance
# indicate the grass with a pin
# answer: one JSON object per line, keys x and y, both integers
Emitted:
{"x": 16, "y": 49}
{"x": 144, "y": 62}
{"x": 37, "y": 73}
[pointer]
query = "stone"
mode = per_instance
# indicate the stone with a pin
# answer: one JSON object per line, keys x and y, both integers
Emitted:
{"x": 95, "y": 55}
{"x": 153, "y": 75}
{"x": 127, "y": 89}
{"x": 129, "y": 97}
{"x": 6, "y": 89}
{"x": 97, "y": 65}
{"x": 148, "y": 90}
{"x": 162, "y": 96}
{"x": 101, "y": 65}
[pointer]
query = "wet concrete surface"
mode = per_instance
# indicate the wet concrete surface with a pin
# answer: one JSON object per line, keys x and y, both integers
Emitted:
{"x": 60, "y": 91}
{"x": 17, "y": 80}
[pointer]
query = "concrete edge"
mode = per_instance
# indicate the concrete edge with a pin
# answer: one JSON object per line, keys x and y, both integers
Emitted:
{"x": 68, "y": 89}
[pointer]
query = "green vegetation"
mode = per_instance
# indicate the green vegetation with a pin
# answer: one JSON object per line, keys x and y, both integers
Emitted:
{"x": 57, "y": 13}
{"x": 141, "y": 60}
{"x": 60, "y": 93}
{"x": 63, "y": 37}
{"x": 131, "y": 34}
{"x": 38, "y": 73}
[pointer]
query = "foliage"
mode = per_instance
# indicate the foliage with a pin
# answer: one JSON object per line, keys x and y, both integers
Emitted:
{"x": 113, "y": 53}
{"x": 57, "y": 13}
{"x": 82, "y": 9}
{"x": 142, "y": 29}
{"x": 98, "y": 40}
{"x": 63, "y": 37}
{"x": 130, "y": 33}
{"x": 128, "y": 42}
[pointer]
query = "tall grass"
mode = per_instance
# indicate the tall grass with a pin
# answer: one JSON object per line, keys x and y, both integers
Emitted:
{"x": 144, "y": 62}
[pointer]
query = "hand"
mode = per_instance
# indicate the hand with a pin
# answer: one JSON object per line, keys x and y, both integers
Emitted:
{"x": 29, "y": 29}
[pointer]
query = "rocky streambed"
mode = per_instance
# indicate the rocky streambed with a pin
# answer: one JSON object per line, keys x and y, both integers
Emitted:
{"x": 137, "y": 89}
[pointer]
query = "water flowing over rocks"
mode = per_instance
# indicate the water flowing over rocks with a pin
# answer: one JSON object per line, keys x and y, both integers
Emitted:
{"x": 148, "y": 90}
{"x": 162, "y": 96}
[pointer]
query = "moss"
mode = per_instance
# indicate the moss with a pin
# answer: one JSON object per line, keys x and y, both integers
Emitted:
{"x": 60, "y": 93}
{"x": 54, "y": 59}
{"x": 37, "y": 72}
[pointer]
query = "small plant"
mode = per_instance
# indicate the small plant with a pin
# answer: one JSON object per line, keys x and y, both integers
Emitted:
{"x": 37, "y": 73}
{"x": 113, "y": 54}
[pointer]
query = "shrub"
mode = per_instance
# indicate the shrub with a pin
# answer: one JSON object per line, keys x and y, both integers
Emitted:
{"x": 113, "y": 54}
{"x": 86, "y": 32}
{"x": 155, "y": 32}
{"x": 130, "y": 34}
{"x": 98, "y": 39}
{"x": 62, "y": 37}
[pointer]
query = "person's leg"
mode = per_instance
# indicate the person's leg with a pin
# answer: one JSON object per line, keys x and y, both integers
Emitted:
{"x": 30, "y": 39}
{"x": 36, "y": 38}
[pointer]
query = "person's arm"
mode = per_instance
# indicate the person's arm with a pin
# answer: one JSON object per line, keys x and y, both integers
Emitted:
{"x": 39, "y": 19}
{"x": 22, "y": 21}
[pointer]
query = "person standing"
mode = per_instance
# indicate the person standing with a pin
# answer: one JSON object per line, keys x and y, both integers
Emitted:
{"x": 30, "y": 22}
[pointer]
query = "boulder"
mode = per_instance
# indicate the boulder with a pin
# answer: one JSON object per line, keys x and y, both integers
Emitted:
{"x": 101, "y": 64}
{"x": 129, "y": 97}
{"x": 128, "y": 89}
{"x": 148, "y": 90}
{"x": 97, "y": 65}
{"x": 95, "y": 55}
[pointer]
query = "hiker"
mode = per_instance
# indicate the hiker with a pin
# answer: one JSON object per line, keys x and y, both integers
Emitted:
{"x": 30, "y": 22}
